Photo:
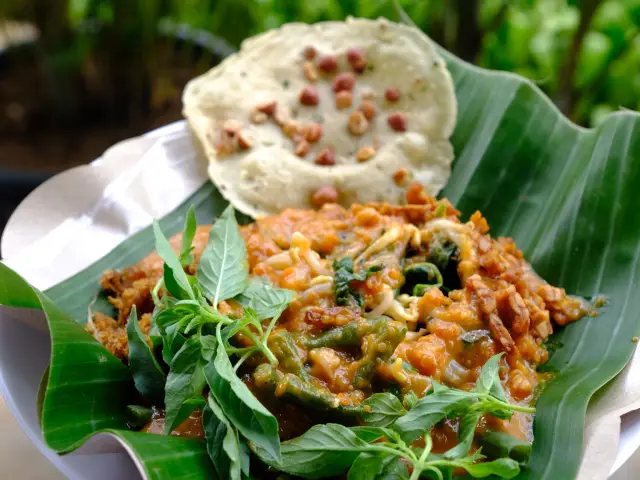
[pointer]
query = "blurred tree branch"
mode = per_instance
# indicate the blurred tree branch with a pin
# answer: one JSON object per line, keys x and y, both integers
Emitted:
{"x": 565, "y": 95}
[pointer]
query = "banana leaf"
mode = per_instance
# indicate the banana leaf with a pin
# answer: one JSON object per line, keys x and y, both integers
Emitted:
{"x": 565, "y": 194}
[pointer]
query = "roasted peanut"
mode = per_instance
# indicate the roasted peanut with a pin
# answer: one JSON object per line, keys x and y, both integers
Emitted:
{"x": 326, "y": 157}
{"x": 302, "y": 148}
{"x": 282, "y": 115}
{"x": 357, "y": 124}
{"x": 310, "y": 72}
{"x": 397, "y": 121}
{"x": 344, "y": 99}
{"x": 313, "y": 133}
{"x": 290, "y": 129}
{"x": 401, "y": 177}
{"x": 369, "y": 109}
{"x": 310, "y": 52}
{"x": 344, "y": 81}
{"x": 392, "y": 94}
{"x": 309, "y": 96}
{"x": 325, "y": 194}
{"x": 267, "y": 107}
{"x": 365, "y": 153}
{"x": 244, "y": 141}
{"x": 327, "y": 63}
{"x": 357, "y": 59}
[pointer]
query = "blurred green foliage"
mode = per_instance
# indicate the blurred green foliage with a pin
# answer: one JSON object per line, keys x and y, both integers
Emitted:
{"x": 585, "y": 54}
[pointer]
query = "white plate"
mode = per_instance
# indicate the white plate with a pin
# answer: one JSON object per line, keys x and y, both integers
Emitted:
{"x": 97, "y": 204}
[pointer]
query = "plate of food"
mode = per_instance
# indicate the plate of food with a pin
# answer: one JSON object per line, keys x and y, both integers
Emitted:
{"x": 360, "y": 257}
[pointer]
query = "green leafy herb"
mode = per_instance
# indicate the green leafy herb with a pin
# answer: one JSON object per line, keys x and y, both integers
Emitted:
{"x": 173, "y": 271}
{"x": 148, "y": 376}
{"x": 500, "y": 445}
{"x": 138, "y": 416}
{"x": 183, "y": 390}
{"x": 381, "y": 409}
{"x": 440, "y": 211}
{"x": 267, "y": 300}
{"x": 367, "y": 466}
{"x": 223, "y": 271}
{"x": 420, "y": 277}
{"x": 240, "y": 406}
{"x": 188, "y": 234}
{"x": 344, "y": 275}
{"x": 223, "y": 443}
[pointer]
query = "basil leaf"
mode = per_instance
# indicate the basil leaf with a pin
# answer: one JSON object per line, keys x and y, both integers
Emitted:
{"x": 488, "y": 375}
{"x": 466, "y": 431}
{"x": 165, "y": 251}
{"x": 223, "y": 271}
{"x": 381, "y": 409}
{"x": 429, "y": 410}
{"x": 393, "y": 468}
{"x": 323, "y": 451}
{"x": 148, "y": 376}
{"x": 499, "y": 445}
{"x": 209, "y": 345}
{"x": 267, "y": 300}
{"x": 367, "y": 466}
{"x": 503, "y": 468}
{"x": 223, "y": 444}
{"x": 370, "y": 434}
{"x": 242, "y": 409}
{"x": 184, "y": 385}
{"x": 188, "y": 234}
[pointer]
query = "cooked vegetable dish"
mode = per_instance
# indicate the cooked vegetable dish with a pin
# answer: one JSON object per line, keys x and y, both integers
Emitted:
{"x": 394, "y": 338}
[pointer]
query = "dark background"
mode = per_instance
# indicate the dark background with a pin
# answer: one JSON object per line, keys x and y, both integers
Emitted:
{"x": 77, "y": 76}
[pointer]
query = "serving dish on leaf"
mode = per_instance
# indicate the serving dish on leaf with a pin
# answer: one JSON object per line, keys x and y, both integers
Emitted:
{"x": 372, "y": 323}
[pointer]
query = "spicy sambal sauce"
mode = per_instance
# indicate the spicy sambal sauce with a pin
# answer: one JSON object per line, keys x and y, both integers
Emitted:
{"x": 388, "y": 298}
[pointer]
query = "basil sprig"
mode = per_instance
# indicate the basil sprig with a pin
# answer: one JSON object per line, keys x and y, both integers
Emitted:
{"x": 197, "y": 343}
{"x": 384, "y": 448}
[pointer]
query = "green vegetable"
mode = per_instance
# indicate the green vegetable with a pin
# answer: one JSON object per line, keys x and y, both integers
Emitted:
{"x": 302, "y": 389}
{"x": 223, "y": 443}
{"x": 148, "y": 376}
{"x": 223, "y": 271}
{"x": 501, "y": 445}
{"x": 268, "y": 301}
{"x": 329, "y": 450}
{"x": 349, "y": 335}
{"x": 188, "y": 234}
{"x": 183, "y": 390}
{"x": 242, "y": 409}
{"x": 344, "y": 275}
{"x": 443, "y": 254}
{"x": 381, "y": 409}
{"x": 420, "y": 277}
{"x": 138, "y": 416}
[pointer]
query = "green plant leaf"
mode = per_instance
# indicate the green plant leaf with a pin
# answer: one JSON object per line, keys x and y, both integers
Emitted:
{"x": 367, "y": 466}
{"x": 503, "y": 468}
{"x": 183, "y": 390}
{"x": 173, "y": 269}
{"x": 429, "y": 410}
{"x": 267, "y": 300}
{"x": 242, "y": 409}
{"x": 188, "y": 234}
{"x": 323, "y": 451}
{"x": 148, "y": 376}
{"x": 381, "y": 409}
{"x": 466, "y": 431}
{"x": 223, "y": 271}
{"x": 222, "y": 441}
{"x": 501, "y": 445}
{"x": 488, "y": 375}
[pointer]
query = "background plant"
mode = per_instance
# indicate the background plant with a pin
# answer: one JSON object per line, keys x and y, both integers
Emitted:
{"x": 105, "y": 55}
